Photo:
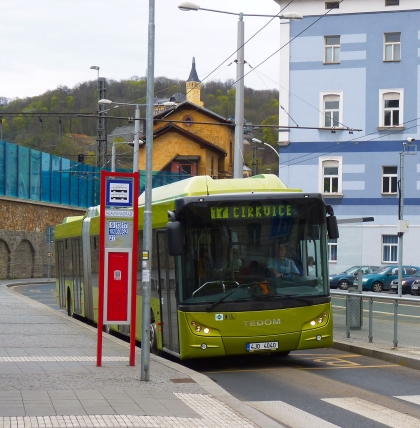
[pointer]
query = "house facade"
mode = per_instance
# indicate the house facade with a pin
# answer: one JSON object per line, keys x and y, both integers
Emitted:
{"x": 352, "y": 73}
{"x": 190, "y": 139}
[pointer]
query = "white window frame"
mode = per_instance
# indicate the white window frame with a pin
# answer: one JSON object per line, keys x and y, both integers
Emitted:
{"x": 383, "y": 95}
{"x": 391, "y": 177}
{"x": 333, "y": 50}
{"x": 332, "y": 243}
{"x": 323, "y": 96}
{"x": 393, "y": 46}
{"x": 325, "y": 161}
{"x": 390, "y": 246}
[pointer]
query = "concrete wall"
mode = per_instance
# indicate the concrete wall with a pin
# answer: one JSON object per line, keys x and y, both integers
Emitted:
{"x": 23, "y": 245}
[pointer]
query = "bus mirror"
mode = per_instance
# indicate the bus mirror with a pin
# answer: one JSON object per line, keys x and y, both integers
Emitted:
{"x": 332, "y": 227}
{"x": 174, "y": 238}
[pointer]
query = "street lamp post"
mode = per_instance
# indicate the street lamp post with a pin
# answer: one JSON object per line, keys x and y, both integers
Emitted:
{"x": 136, "y": 141}
{"x": 147, "y": 218}
{"x": 95, "y": 67}
{"x": 239, "y": 100}
{"x": 257, "y": 141}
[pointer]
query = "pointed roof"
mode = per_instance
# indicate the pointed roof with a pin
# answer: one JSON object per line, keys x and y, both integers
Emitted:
{"x": 193, "y": 73}
{"x": 188, "y": 105}
{"x": 171, "y": 127}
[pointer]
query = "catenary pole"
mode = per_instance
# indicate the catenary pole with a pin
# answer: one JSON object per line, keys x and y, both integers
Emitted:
{"x": 239, "y": 103}
{"x": 147, "y": 232}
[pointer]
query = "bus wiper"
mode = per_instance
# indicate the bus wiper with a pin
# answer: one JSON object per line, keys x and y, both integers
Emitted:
{"x": 297, "y": 297}
{"x": 210, "y": 307}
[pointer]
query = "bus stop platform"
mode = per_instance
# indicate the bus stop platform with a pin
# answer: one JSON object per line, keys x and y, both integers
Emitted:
{"x": 49, "y": 378}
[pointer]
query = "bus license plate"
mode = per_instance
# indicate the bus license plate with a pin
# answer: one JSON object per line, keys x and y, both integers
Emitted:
{"x": 261, "y": 346}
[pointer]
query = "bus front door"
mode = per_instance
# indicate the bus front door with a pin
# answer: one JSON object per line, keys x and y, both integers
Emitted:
{"x": 167, "y": 294}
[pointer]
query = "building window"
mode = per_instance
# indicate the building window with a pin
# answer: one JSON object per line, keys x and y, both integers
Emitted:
{"x": 188, "y": 120}
{"x": 332, "y": 5}
{"x": 332, "y": 49}
{"x": 389, "y": 179}
{"x": 331, "y": 111}
{"x": 392, "y": 2}
{"x": 332, "y": 250}
{"x": 391, "y": 105}
{"x": 331, "y": 175}
{"x": 389, "y": 248}
{"x": 392, "y": 47}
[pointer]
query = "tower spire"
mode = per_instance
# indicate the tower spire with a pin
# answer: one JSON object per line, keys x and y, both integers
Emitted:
{"x": 193, "y": 87}
{"x": 193, "y": 77}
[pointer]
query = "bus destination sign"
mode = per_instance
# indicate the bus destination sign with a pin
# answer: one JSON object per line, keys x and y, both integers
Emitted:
{"x": 248, "y": 211}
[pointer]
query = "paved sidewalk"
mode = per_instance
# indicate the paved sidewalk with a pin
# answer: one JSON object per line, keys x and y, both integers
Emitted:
{"x": 49, "y": 378}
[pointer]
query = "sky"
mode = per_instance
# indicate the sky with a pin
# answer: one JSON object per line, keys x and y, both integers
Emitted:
{"x": 51, "y": 43}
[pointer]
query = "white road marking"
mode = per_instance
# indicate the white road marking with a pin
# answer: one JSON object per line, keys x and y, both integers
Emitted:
{"x": 373, "y": 411}
{"x": 48, "y": 359}
{"x": 411, "y": 398}
{"x": 290, "y": 415}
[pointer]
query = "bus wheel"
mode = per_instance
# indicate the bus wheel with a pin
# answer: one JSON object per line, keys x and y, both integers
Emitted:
{"x": 69, "y": 306}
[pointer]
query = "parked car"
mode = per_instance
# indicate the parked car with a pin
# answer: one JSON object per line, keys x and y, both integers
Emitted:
{"x": 408, "y": 285}
{"x": 381, "y": 280}
{"x": 344, "y": 279}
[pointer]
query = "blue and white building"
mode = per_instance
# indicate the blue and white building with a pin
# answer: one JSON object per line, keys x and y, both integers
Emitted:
{"x": 355, "y": 65}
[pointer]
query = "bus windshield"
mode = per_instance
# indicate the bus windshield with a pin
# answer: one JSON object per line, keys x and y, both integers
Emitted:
{"x": 250, "y": 250}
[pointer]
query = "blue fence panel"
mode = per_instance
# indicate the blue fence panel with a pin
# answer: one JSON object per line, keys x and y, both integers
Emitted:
{"x": 74, "y": 183}
{"x": 23, "y": 172}
{"x": 65, "y": 181}
{"x": 56, "y": 179}
{"x": 11, "y": 170}
{"x": 31, "y": 174}
{"x": 35, "y": 175}
{"x": 83, "y": 185}
{"x": 161, "y": 178}
{"x": 46, "y": 177}
{"x": 91, "y": 180}
{"x": 2, "y": 168}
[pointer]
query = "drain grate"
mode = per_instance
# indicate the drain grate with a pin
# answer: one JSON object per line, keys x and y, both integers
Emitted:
{"x": 186, "y": 380}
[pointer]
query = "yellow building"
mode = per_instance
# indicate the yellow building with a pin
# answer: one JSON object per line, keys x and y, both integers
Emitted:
{"x": 191, "y": 139}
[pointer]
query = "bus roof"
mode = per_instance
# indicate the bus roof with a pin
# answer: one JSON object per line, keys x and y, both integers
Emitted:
{"x": 205, "y": 185}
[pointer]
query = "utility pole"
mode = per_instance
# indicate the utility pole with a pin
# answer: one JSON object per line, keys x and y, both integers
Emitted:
{"x": 238, "y": 164}
{"x": 102, "y": 137}
{"x": 408, "y": 149}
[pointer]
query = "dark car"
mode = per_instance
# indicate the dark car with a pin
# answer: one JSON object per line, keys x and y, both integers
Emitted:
{"x": 344, "y": 279}
{"x": 381, "y": 280}
{"x": 408, "y": 285}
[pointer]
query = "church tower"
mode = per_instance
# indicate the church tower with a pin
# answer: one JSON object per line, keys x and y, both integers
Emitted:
{"x": 193, "y": 87}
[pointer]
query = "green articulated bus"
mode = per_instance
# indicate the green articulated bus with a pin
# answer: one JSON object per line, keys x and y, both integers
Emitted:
{"x": 218, "y": 284}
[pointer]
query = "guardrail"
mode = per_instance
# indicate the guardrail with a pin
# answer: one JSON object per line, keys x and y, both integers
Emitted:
{"x": 352, "y": 295}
